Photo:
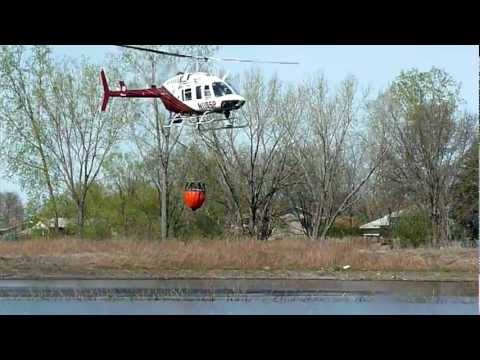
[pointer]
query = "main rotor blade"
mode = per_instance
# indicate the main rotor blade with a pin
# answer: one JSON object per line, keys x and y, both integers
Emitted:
{"x": 255, "y": 61}
{"x": 206, "y": 58}
{"x": 165, "y": 52}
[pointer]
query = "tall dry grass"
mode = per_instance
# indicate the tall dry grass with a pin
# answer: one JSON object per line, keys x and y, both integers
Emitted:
{"x": 232, "y": 254}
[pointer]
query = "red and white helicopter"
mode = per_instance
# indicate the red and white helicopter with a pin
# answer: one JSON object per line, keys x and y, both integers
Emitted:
{"x": 193, "y": 99}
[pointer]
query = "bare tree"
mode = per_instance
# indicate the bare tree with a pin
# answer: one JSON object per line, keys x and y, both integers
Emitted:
{"x": 254, "y": 163}
{"x": 324, "y": 146}
{"x": 427, "y": 136}
{"x": 22, "y": 70}
{"x": 78, "y": 136}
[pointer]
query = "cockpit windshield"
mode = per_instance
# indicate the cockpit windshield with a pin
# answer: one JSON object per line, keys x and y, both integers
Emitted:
{"x": 221, "y": 89}
{"x": 234, "y": 88}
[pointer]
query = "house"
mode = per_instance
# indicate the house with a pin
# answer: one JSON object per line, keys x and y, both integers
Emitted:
{"x": 379, "y": 227}
{"x": 6, "y": 230}
{"x": 293, "y": 219}
{"x": 292, "y": 224}
{"x": 62, "y": 223}
{"x": 44, "y": 227}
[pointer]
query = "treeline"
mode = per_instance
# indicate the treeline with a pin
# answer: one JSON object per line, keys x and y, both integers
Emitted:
{"x": 318, "y": 151}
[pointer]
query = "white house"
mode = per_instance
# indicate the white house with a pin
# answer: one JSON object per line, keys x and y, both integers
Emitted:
{"x": 62, "y": 223}
{"x": 376, "y": 227}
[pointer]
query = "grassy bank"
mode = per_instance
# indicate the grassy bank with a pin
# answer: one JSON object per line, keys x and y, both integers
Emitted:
{"x": 350, "y": 258}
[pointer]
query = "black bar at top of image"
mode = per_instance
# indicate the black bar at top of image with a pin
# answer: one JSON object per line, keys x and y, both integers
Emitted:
{"x": 243, "y": 23}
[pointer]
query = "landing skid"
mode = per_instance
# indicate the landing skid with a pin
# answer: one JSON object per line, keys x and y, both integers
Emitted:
{"x": 228, "y": 126}
{"x": 199, "y": 121}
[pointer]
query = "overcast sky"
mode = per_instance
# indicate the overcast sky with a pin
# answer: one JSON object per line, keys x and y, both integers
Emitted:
{"x": 374, "y": 66}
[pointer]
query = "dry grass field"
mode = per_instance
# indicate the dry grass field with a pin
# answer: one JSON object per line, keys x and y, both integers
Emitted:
{"x": 127, "y": 258}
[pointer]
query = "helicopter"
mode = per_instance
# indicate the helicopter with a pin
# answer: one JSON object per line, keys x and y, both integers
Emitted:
{"x": 192, "y": 98}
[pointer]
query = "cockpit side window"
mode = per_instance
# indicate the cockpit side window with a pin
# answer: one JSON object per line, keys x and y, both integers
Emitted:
{"x": 221, "y": 89}
{"x": 207, "y": 91}
{"x": 188, "y": 94}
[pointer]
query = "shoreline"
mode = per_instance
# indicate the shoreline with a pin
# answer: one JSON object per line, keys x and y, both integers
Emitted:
{"x": 424, "y": 276}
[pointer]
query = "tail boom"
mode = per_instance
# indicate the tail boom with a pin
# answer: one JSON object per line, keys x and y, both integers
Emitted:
{"x": 171, "y": 103}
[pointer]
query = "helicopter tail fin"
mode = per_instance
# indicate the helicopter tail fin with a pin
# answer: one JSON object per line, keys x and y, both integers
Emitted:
{"x": 106, "y": 90}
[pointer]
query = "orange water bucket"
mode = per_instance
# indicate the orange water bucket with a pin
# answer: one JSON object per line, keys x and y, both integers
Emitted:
{"x": 194, "y": 195}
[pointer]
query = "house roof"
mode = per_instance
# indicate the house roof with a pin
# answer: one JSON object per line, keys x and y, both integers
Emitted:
{"x": 381, "y": 222}
{"x": 40, "y": 225}
{"x": 376, "y": 224}
{"x": 5, "y": 230}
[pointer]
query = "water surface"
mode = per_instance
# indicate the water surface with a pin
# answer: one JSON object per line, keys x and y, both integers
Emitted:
{"x": 237, "y": 297}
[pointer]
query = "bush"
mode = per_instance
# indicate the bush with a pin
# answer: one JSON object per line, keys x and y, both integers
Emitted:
{"x": 412, "y": 230}
{"x": 200, "y": 226}
{"x": 340, "y": 231}
{"x": 97, "y": 230}
{"x": 39, "y": 233}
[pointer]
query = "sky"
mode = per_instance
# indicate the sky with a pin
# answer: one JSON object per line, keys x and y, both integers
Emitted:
{"x": 375, "y": 66}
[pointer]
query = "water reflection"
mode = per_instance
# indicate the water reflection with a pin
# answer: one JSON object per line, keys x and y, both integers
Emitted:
{"x": 257, "y": 305}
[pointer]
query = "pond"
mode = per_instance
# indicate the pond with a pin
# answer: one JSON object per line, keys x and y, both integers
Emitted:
{"x": 237, "y": 297}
